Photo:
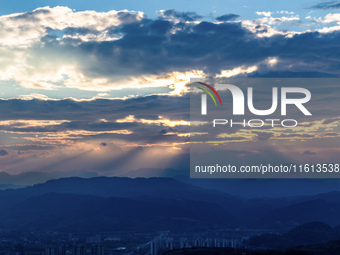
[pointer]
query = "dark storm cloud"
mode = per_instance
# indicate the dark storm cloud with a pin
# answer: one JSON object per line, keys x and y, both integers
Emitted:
{"x": 150, "y": 107}
{"x": 159, "y": 46}
{"x": 31, "y": 147}
{"x": 308, "y": 152}
{"x": 263, "y": 136}
{"x": 331, "y": 134}
{"x": 327, "y": 5}
{"x": 3, "y": 153}
{"x": 183, "y": 16}
{"x": 228, "y": 17}
{"x": 162, "y": 46}
{"x": 100, "y": 117}
{"x": 175, "y": 41}
{"x": 79, "y": 30}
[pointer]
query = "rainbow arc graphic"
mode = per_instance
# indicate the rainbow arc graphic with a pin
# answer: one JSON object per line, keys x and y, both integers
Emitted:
{"x": 204, "y": 97}
{"x": 209, "y": 93}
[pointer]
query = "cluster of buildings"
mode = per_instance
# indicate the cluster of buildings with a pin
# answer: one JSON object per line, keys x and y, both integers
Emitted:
{"x": 76, "y": 250}
{"x": 121, "y": 243}
{"x": 161, "y": 243}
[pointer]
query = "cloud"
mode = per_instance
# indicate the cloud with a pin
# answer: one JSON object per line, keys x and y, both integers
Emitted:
{"x": 330, "y": 18}
{"x": 59, "y": 48}
{"x": 69, "y": 134}
{"x": 326, "y": 5}
{"x": 228, "y": 17}
{"x": 3, "y": 153}
{"x": 75, "y": 121}
{"x": 266, "y": 14}
{"x": 26, "y": 28}
{"x": 236, "y": 71}
{"x": 180, "y": 16}
{"x": 264, "y": 136}
{"x": 308, "y": 152}
{"x": 31, "y": 147}
{"x": 284, "y": 12}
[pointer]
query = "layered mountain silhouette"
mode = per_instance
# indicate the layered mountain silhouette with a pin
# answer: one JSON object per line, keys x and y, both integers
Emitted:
{"x": 24, "y": 179}
{"x": 152, "y": 204}
{"x": 249, "y": 188}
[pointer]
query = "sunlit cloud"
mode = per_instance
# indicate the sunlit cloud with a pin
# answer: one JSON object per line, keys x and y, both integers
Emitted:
{"x": 59, "y": 48}
{"x": 31, "y": 123}
{"x": 24, "y": 29}
{"x": 59, "y": 52}
{"x": 160, "y": 121}
{"x": 237, "y": 71}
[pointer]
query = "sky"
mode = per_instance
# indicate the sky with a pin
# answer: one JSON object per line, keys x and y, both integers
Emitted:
{"x": 102, "y": 86}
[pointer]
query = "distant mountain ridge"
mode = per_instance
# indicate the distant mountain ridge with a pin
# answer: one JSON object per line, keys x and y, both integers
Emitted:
{"x": 107, "y": 203}
{"x": 30, "y": 178}
{"x": 266, "y": 187}
{"x": 162, "y": 203}
{"x": 249, "y": 188}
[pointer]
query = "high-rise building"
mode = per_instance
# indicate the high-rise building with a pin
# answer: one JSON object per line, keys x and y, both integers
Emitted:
{"x": 198, "y": 242}
{"x": 155, "y": 245}
{"x": 55, "y": 250}
{"x": 183, "y": 243}
{"x": 79, "y": 250}
{"x": 97, "y": 250}
{"x": 169, "y": 245}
